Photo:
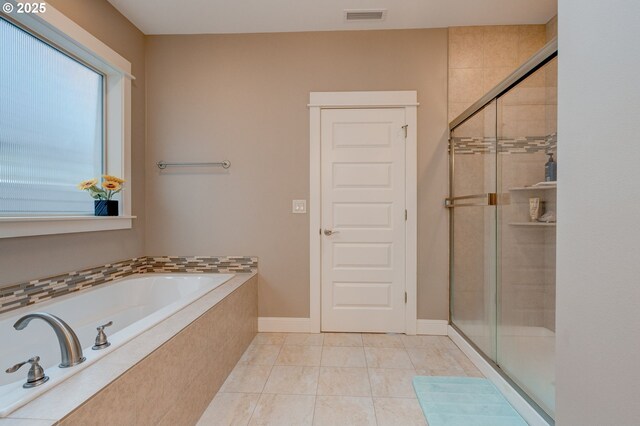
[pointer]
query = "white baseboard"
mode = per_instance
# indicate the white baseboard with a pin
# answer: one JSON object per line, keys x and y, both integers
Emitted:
{"x": 303, "y": 325}
{"x": 531, "y": 416}
{"x": 433, "y": 327}
{"x": 284, "y": 325}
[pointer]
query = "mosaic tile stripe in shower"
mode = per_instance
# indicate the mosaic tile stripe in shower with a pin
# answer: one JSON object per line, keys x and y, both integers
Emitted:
{"x": 523, "y": 145}
{"x": 27, "y": 293}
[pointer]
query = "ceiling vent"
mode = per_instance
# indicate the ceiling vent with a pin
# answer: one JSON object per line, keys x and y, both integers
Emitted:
{"x": 365, "y": 15}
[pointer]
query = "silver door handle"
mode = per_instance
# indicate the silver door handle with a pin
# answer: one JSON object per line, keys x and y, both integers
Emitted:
{"x": 329, "y": 232}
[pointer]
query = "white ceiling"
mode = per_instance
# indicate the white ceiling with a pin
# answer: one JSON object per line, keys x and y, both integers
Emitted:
{"x": 254, "y": 16}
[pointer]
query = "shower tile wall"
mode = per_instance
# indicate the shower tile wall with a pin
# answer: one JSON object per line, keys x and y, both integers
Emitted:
{"x": 527, "y": 286}
{"x": 474, "y": 247}
{"x": 479, "y": 58}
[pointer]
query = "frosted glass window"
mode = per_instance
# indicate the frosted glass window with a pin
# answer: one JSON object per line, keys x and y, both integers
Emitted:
{"x": 51, "y": 127}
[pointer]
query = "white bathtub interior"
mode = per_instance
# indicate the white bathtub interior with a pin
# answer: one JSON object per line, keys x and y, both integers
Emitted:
{"x": 134, "y": 304}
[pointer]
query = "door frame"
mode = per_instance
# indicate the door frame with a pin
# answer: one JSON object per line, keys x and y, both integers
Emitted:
{"x": 336, "y": 100}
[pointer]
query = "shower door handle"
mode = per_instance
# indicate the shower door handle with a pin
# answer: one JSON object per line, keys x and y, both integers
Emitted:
{"x": 490, "y": 199}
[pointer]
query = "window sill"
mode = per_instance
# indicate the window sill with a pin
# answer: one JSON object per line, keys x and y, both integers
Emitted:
{"x": 11, "y": 227}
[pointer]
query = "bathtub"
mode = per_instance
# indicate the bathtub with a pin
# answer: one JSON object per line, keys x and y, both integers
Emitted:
{"x": 134, "y": 304}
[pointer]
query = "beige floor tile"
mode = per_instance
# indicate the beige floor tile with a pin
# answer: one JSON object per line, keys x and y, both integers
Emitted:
{"x": 443, "y": 362}
{"x": 288, "y": 379}
{"x": 229, "y": 409}
{"x": 343, "y": 356}
{"x": 450, "y": 372}
{"x": 398, "y": 411}
{"x": 304, "y": 339}
{"x": 342, "y": 339}
{"x": 246, "y": 378}
{"x": 300, "y": 355}
{"x": 269, "y": 339}
{"x": 382, "y": 340}
{"x": 340, "y": 410}
{"x": 279, "y": 375}
{"x": 392, "y": 382}
{"x": 462, "y": 360}
{"x": 473, "y": 373}
{"x": 440, "y": 342}
{"x": 344, "y": 381}
{"x": 387, "y": 358}
{"x": 260, "y": 355}
{"x": 283, "y": 410}
{"x": 432, "y": 359}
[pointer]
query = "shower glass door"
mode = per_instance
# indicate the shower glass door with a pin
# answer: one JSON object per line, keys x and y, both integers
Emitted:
{"x": 527, "y": 240}
{"x": 473, "y": 244}
{"x": 503, "y": 232}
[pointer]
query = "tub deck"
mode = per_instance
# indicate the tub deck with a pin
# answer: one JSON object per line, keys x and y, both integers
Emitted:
{"x": 65, "y": 401}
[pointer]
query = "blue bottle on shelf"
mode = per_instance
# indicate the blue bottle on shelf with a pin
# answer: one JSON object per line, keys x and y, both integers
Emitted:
{"x": 550, "y": 169}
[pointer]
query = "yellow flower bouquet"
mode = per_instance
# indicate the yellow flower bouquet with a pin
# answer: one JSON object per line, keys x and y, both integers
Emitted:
{"x": 109, "y": 187}
{"x": 103, "y": 194}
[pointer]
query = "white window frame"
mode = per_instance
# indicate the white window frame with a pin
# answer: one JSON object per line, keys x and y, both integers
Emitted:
{"x": 54, "y": 27}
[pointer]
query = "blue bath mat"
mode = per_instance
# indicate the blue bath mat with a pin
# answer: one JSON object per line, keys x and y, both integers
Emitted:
{"x": 464, "y": 401}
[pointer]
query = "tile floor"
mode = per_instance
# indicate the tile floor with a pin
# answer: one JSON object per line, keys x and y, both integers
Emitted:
{"x": 333, "y": 379}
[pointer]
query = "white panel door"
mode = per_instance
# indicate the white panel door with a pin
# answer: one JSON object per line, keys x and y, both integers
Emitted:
{"x": 363, "y": 219}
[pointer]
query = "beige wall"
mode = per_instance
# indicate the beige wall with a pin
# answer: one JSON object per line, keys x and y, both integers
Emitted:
{"x": 50, "y": 255}
{"x": 243, "y": 98}
{"x": 598, "y": 321}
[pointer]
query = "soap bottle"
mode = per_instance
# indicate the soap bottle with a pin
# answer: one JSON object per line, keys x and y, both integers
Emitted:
{"x": 550, "y": 169}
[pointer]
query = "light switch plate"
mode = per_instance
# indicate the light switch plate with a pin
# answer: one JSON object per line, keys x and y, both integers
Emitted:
{"x": 299, "y": 206}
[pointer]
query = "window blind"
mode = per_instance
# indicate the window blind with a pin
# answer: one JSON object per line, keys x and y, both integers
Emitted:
{"x": 51, "y": 127}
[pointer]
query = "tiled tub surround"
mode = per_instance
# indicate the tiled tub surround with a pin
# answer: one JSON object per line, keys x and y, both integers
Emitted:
{"x": 167, "y": 375}
{"x": 133, "y": 305}
{"x": 16, "y": 296}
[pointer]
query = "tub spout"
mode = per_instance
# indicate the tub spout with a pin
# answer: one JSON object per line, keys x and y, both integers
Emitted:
{"x": 70, "y": 348}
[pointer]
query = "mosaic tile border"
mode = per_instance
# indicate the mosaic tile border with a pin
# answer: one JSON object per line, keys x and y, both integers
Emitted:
{"x": 226, "y": 264}
{"x": 16, "y": 296}
{"x": 521, "y": 145}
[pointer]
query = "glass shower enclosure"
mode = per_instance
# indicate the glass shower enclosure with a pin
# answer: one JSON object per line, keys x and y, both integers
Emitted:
{"x": 502, "y": 222}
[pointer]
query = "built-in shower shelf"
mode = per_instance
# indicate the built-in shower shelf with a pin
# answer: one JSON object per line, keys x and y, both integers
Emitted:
{"x": 533, "y": 188}
{"x": 534, "y": 224}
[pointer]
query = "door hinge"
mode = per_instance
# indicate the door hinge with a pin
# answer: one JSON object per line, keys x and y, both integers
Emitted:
{"x": 405, "y": 127}
{"x": 320, "y": 231}
{"x": 406, "y": 215}
{"x": 405, "y": 297}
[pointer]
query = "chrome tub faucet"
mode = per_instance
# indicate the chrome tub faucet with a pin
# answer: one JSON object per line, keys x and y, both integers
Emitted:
{"x": 70, "y": 348}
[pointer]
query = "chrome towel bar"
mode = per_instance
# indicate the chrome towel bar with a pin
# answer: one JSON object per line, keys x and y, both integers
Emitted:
{"x": 224, "y": 164}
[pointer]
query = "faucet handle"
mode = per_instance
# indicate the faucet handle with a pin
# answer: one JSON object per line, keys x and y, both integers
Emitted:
{"x": 33, "y": 360}
{"x": 103, "y": 326}
{"x": 35, "y": 377}
{"x": 101, "y": 338}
